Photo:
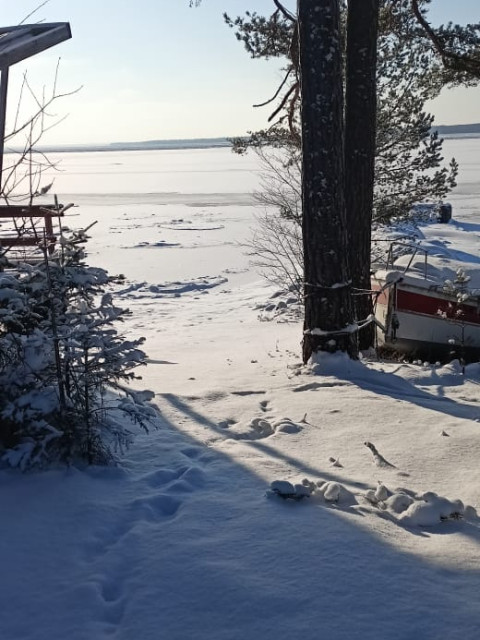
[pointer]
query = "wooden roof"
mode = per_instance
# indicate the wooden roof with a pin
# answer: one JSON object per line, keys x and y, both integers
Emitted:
{"x": 20, "y": 42}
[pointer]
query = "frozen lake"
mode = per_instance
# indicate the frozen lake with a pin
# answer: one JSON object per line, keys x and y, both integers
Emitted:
{"x": 466, "y": 196}
{"x": 192, "y": 208}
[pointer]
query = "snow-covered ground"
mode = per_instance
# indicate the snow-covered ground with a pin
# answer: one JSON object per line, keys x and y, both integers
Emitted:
{"x": 185, "y": 539}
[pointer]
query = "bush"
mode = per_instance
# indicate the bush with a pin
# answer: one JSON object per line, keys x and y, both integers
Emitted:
{"x": 64, "y": 368}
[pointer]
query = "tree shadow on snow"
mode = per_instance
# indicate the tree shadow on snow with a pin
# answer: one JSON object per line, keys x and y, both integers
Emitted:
{"x": 279, "y": 565}
{"x": 396, "y": 387}
{"x": 358, "y": 506}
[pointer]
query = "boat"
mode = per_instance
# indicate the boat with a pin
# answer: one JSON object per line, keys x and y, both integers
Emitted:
{"x": 427, "y": 296}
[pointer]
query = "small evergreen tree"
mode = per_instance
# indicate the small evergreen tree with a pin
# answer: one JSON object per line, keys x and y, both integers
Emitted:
{"x": 64, "y": 367}
{"x": 458, "y": 289}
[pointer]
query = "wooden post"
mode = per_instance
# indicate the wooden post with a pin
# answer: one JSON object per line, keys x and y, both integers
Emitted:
{"x": 3, "y": 117}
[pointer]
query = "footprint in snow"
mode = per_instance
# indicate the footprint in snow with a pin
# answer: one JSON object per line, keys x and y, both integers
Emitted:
{"x": 194, "y": 453}
{"x": 161, "y": 477}
{"x": 226, "y": 424}
{"x": 106, "y": 600}
{"x": 264, "y": 405}
{"x": 191, "y": 480}
{"x": 184, "y": 479}
{"x": 111, "y": 590}
{"x": 260, "y": 428}
{"x": 153, "y": 508}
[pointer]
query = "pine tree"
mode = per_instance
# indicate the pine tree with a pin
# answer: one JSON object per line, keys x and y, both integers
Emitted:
{"x": 408, "y": 156}
{"x": 409, "y": 166}
{"x": 327, "y": 285}
{"x": 360, "y": 129}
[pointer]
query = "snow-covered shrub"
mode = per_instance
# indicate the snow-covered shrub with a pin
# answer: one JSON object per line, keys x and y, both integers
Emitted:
{"x": 459, "y": 290}
{"x": 61, "y": 358}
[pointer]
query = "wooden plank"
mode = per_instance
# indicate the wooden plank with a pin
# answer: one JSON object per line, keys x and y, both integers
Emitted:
{"x": 31, "y": 211}
{"x": 48, "y": 226}
{"x": 23, "y": 241}
{"x": 33, "y": 39}
{"x": 3, "y": 115}
{"x": 21, "y": 27}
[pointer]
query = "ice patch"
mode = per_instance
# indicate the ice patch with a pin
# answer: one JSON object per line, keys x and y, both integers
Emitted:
{"x": 140, "y": 290}
{"x": 154, "y": 245}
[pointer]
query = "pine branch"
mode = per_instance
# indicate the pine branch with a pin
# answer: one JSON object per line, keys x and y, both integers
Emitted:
{"x": 451, "y": 59}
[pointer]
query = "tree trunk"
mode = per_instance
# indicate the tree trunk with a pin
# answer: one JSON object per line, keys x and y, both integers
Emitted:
{"x": 327, "y": 287}
{"x": 360, "y": 119}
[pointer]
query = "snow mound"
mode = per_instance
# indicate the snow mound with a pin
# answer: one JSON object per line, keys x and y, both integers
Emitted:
{"x": 329, "y": 492}
{"x": 288, "y": 491}
{"x": 282, "y": 306}
{"x": 472, "y": 371}
{"x": 405, "y": 507}
{"x": 398, "y": 502}
{"x": 336, "y": 493}
{"x": 259, "y": 428}
{"x": 431, "y": 375}
{"x": 432, "y": 509}
{"x": 337, "y": 364}
{"x": 424, "y": 510}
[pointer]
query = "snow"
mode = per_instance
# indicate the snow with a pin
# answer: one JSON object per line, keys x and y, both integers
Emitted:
{"x": 450, "y": 248}
{"x": 187, "y": 537}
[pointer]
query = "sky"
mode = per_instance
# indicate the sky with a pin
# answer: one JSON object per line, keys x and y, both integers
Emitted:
{"x": 157, "y": 69}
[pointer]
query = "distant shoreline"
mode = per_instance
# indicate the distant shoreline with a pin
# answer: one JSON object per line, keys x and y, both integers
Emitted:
{"x": 445, "y": 131}
{"x": 148, "y": 145}
{"x": 460, "y": 130}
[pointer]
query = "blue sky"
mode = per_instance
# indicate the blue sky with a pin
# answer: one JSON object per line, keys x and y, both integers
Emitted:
{"x": 153, "y": 69}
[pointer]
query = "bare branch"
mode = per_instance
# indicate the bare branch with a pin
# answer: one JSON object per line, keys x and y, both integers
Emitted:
{"x": 34, "y": 11}
{"x": 263, "y": 104}
{"x": 286, "y": 14}
{"x": 22, "y": 179}
{"x": 283, "y": 102}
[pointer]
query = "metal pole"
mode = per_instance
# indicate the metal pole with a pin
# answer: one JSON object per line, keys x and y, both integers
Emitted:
{"x": 3, "y": 117}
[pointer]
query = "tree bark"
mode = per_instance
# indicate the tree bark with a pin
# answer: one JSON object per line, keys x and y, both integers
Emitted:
{"x": 327, "y": 287}
{"x": 360, "y": 130}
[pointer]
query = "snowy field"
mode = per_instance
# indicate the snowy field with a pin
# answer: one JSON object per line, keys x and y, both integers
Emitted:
{"x": 183, "y": 539}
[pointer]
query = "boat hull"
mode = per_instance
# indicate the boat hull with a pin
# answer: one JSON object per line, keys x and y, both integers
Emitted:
{"x": 426, "y": 323}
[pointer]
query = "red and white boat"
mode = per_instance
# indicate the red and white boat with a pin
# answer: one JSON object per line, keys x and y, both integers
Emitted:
{"x": 428, "y": 302}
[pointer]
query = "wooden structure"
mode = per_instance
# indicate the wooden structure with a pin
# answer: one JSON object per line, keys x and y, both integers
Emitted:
{"x": 33, "y": 230}
{"x": 18, "y": 43}
{"x": 31, "y": 226}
